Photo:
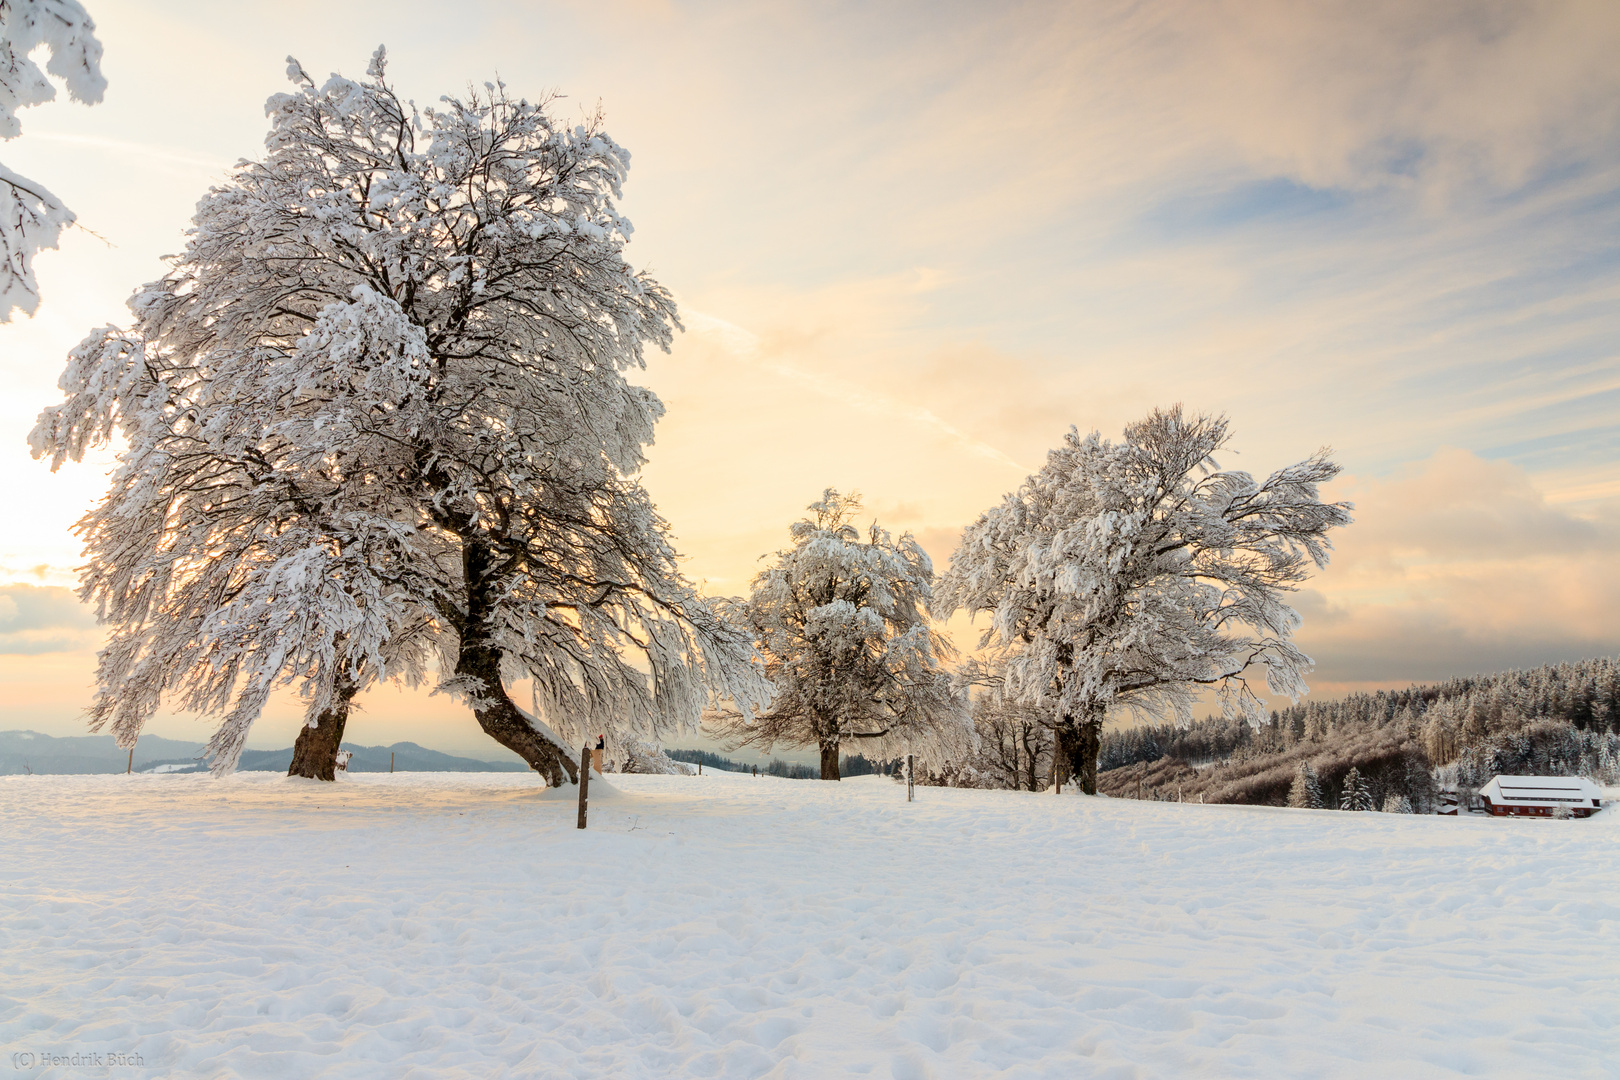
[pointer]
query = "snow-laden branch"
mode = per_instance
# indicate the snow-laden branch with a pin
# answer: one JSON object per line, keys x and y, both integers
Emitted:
{"x": 31, "y": 218}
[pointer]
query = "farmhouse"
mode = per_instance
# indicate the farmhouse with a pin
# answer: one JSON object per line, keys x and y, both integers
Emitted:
{"x": 1541, "y": 796}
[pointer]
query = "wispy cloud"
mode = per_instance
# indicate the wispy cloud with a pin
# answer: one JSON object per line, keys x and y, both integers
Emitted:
{"x": 44, "y": 619}
{"x": 1458, "y": 564}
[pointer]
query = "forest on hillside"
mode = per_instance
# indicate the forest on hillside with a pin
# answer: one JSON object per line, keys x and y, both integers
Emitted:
{"x": 1559, "y": 719}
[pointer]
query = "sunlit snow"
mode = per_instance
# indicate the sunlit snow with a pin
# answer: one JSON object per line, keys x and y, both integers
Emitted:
{"x": 732, "y": 926}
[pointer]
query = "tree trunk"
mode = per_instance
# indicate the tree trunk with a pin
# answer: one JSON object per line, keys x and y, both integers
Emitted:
{"x": 315, "y": 752}
{"x": 1062, "y": 770}
{"x": 1032, "y": 757}
{"x": 480, "y": 661}
{"x": 829, "y": 760}
{"x": 504, "y": 722}
{"x": 1076, "y": 746}
{"x": 1088, "y": 744}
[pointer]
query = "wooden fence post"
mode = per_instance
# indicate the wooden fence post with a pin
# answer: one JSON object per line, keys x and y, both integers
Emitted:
{"x": 390, "y": 761}
{"x": 911, "y": 773}
{"x": 584, "y": 781}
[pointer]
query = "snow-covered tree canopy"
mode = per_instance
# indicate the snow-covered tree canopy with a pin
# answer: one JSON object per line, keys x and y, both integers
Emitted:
{"x": 1134, "y": 574}
{"x": 842, "y": 623}
{"x": 31, "y": 218}
{"x": 379, "y": 411}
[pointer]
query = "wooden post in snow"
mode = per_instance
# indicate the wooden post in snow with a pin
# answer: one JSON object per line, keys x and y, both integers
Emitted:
{"x": 390, "y": 761}
{"x": 131, "y": 766}
{"x": 911, "y": 774}
{"x": 584, "y": 781}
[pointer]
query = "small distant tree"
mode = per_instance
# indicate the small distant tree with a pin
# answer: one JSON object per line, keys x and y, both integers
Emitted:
{"x": 1012, "y": 741}
{"x": 1306, "y": 792}
{"x": 1396, "y": 803}
{"x": 1135, "y": 575}
{"x": 1355, "y": 794}
{"x": 843, "y": 626}
{"x": 31, "y": 218}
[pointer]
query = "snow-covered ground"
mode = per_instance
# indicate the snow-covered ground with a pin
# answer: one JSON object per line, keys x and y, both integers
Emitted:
{"x": 448, "y": 925}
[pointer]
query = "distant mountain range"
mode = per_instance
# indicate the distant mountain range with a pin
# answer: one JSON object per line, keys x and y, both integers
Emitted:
{"x": 29, "y": 751}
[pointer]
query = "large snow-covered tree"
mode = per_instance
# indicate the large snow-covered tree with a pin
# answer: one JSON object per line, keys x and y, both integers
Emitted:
{"x": 843, "y": 626}
{"x": 1134, "y": 575}
{"x": 31, "y": 218}
{"x": 378, "y": 421}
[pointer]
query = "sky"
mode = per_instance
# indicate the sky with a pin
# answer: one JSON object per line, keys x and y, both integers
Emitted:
{"x": 912, "y": 244}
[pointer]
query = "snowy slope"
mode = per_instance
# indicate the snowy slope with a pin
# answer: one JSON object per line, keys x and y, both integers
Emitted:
{"x": 725, "y": 926}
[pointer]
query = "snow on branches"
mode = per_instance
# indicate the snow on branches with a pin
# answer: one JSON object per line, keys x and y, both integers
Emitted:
{"x": 1135, "y": 574}
{"x": 843, "y": 626}
{"x": 378, "y": 420}
{"x": 31, "y": 218}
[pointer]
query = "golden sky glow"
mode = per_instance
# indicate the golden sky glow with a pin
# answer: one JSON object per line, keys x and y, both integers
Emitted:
{"x": 912, "y": 244}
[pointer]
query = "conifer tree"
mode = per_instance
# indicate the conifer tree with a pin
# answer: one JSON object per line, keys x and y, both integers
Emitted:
{"x": 1306, "y": 792}
{"x": 1356, "y": 795}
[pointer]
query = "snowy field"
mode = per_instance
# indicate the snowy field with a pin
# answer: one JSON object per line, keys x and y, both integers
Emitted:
{"x": 458, "y": 925}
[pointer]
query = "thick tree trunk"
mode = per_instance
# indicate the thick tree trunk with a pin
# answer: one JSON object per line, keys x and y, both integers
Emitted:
{"x": 829, "y": 760}
{"x": 315, "y": 752}
{"x": 506, "y": 724}
{"x": 1078, "y": 742}
{"x": 1090, "y": 745}
{"x": 479, "y": 660}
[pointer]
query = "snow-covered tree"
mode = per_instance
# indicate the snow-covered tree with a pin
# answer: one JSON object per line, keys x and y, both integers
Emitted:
{"x": 1306, "y": 791}
{"x": 843, "y": 626}
{"x": 1134, "y": 575}
{"x": 378, "y": 420}
{"x": 1012, "y": 742}
{"x": 1355, "y": 794}
{"x": 642, "y": 756}
{"x": 31, "y": 218}
{"x": 1396, "y": 803}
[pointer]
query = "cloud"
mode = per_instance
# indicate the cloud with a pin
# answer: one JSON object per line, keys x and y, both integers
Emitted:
{"x": 1353, "y": 93}
{"x": 44, "y": 619}
{"x": 1458, "y": 565}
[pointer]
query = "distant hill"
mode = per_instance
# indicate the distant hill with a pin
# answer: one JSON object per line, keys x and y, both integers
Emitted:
{"x": 29, "y": 751}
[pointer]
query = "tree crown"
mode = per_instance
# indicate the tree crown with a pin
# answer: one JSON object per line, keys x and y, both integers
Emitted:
{"x": 1133, "y": 573}
{"x": 390, "y": 366}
